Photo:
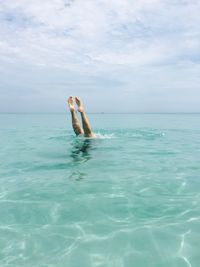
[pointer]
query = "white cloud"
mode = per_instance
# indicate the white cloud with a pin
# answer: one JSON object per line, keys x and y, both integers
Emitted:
{"x": 120, "y": 39}
{"x": 138, "y": 31}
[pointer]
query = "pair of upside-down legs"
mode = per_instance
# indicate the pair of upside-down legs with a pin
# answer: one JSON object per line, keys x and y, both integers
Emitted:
{"x": 86, "y": 129}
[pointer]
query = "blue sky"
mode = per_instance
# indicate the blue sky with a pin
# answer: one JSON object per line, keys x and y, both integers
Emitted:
{"x": 117, "y": 55}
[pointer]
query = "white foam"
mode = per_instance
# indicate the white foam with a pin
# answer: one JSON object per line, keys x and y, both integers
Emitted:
{"x": 103, "y": 136}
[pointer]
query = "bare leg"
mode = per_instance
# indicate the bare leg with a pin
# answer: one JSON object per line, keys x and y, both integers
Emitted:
{"x": 75, "y": 122}
{"x": 86, "y": 125}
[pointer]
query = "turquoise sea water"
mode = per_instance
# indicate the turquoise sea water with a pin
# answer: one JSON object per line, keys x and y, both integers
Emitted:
{"x": 129, "y": 198}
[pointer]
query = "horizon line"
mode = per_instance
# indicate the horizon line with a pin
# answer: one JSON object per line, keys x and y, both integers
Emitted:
{"x": 101, "y": 113}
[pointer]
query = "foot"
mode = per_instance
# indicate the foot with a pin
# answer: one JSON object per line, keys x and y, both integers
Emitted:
{"x": 79, "y": 104}
{"x": 71, "y": 103}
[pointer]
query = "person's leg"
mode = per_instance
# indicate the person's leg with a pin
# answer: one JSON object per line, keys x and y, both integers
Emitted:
{"x": 75, "y": 122}
{"x": 86, "y": 125}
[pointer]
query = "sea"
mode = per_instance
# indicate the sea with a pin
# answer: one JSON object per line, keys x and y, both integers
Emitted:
{"x": 128, "y": 198}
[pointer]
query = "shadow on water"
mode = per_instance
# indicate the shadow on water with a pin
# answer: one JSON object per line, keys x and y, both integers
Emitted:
{"x": 77, "y": 175}
{"x": 81, "y": 151}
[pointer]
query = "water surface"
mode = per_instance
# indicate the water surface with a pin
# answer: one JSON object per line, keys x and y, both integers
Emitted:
{"x": 130, "y": 197}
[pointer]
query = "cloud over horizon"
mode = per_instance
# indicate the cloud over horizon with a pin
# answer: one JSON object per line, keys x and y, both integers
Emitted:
{"x": 142, "y": 52}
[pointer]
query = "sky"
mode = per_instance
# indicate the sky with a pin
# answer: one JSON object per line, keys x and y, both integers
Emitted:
{"x": 116, "y": 55}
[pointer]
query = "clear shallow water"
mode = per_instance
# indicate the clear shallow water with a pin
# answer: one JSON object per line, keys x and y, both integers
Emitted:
{"x": 129, "y": 198}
